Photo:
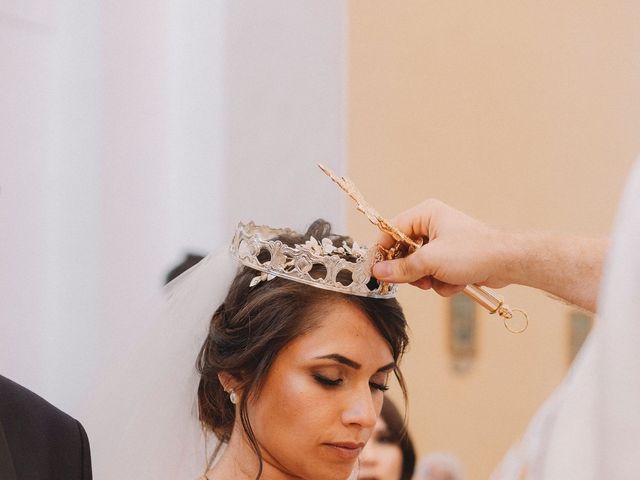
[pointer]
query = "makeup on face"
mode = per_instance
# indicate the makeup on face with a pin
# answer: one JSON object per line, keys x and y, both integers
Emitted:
{"x": 341, "y": 368}
{"x": 322, "y": 396}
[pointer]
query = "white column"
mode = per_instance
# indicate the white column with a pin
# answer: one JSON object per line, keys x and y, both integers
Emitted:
{"x": 26, "y": 33}
{"x": 134, "y": 132}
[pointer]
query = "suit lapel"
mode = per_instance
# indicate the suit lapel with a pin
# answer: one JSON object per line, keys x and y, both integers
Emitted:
{"x": 6, "y": 463}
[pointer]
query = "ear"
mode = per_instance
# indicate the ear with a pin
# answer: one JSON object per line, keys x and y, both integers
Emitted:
{"x": 228, "y": 381}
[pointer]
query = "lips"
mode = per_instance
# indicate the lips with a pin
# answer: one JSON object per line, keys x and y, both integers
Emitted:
{"x": 345, "y": 450}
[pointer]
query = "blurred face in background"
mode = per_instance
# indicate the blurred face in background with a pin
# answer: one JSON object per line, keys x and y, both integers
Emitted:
{"x": 381, "y": 458}
{"x": 438, "y": 472}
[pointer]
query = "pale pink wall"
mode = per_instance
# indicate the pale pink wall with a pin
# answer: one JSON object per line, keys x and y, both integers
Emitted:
{"x": 524, "y": 114}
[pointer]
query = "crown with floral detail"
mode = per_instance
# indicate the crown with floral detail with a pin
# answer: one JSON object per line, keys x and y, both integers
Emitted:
{"x": 345, "y": 269}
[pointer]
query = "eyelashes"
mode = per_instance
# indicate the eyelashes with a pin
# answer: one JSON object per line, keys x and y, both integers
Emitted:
{"x": 329, "y": 382}
{"x": 379, "y": 386}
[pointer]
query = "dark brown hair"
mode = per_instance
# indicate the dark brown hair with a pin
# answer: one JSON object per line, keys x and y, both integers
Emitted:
{"x": 398, "y": 434}
{"x": 254, "y": 324}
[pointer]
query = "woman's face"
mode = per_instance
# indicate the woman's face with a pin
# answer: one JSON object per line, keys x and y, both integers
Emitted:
{"x": 381, "y": 459}
{"x": 321, "y": 397}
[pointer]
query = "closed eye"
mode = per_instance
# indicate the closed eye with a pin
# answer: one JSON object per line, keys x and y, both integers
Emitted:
{"x": 327, "y": 381}
{"x": 330, "y": 382}
{"x": 379, "y": 386}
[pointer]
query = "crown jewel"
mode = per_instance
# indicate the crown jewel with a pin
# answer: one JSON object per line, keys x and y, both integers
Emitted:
{"x": 345, "y": 269}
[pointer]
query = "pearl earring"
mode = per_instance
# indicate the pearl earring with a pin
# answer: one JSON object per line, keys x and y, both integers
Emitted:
{"x": 233, "y": 397}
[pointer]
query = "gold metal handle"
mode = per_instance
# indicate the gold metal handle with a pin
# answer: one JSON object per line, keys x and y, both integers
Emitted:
{"x": 494, "y": 303}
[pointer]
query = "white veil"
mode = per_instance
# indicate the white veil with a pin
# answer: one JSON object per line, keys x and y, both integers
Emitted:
{"x": 143, "y": 423}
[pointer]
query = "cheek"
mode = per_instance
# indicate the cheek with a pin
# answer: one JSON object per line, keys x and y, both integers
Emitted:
{"x": 391, "y": 458}
{"x": 295, "y": 393}
{"x": 288, "y": 404}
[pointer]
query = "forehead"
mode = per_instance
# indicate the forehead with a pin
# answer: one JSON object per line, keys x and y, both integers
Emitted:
{"x": 343, "y": 328}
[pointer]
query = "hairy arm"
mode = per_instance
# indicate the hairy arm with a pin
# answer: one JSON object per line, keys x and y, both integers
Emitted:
{"x": 564, "y": 266}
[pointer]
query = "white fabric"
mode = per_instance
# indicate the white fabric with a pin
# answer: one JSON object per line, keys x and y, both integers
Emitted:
{"x": 590, "y": 428}
{"x": 144, "y": 423}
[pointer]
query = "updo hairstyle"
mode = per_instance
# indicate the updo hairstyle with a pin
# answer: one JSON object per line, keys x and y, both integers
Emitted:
{"x": 254, "y": 324}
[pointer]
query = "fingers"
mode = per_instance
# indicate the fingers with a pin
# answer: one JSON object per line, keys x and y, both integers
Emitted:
{"x": 414, "y": 222}
{"x": 403, "y": 270}
{"x": 446, "y": 289}
{"x": 425, "y": 283}
{"x": 441, "y": 288}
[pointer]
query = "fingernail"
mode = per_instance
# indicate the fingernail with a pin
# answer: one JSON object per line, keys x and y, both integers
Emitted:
{"x": 381, "y": 270}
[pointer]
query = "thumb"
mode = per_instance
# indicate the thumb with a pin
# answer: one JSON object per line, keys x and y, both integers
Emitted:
{"x": 402, "y": 270}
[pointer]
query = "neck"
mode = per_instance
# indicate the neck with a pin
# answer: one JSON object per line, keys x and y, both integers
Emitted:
{"x": 240, "y": 462}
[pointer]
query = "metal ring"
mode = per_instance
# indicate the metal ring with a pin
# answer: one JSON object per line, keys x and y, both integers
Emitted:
{"x": 526, "y": 323}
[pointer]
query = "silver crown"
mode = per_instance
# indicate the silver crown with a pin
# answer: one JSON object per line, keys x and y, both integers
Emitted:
{"x": 295, "y": 263}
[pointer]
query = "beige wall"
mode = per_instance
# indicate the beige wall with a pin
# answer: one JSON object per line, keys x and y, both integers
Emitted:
{"x": 524, "y": 114}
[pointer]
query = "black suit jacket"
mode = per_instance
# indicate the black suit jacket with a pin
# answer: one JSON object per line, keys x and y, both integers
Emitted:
{"x": 38, "y": 441}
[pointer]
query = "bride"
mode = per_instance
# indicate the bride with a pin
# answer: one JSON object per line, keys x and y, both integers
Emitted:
{"x": 290, "y": 378}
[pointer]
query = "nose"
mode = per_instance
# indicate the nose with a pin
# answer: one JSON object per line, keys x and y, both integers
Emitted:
{"x": 361, "y": 410}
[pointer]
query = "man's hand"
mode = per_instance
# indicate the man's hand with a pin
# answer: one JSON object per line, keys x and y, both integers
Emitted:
{"x": 458, "y": 250}
{"x": 462, "y": 250}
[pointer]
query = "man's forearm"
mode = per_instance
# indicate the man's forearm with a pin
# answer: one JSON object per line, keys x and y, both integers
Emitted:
{"x": 564, "y": 266}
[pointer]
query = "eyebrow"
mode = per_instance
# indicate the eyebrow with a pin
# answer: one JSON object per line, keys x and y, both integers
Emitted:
{"x": 353, "y": 364}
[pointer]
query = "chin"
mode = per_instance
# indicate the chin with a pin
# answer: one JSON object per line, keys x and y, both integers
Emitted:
{"x": 334, "y": 472}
